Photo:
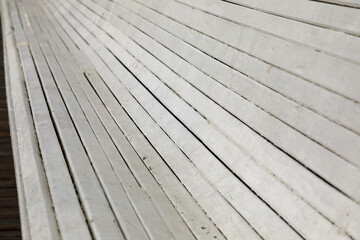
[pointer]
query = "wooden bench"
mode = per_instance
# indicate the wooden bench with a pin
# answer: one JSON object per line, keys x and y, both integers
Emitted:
{"x": 178, "y": 119}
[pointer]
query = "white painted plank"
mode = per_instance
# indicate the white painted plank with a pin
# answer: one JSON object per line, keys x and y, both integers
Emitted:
{"x": 304, "y": 62}
{"x": 313, "y": 12}
{"x": 302, "y": 119}
{"x": 327, "y": 104}
{"x": 338, "y": 215}
{"x": 246, "y": 202}
{"x": 68, "y": 211}
{"x": 189, "y": 175}
{"x": 204, "y": 227}
{"x": 224, "y": 147}
{"x": 333, "y": 208}
{"x": 308, "y": 120}
{"x": 347, "y": 3}
{"x": 328, "y": 41}
{"x": 8, "y": 36}
{"x": 199, "y": 223}
{"x": 143, "y": 175}
{"x": 114, "y": 191}
{"x": 202, "y": 113}
{"x": 121, "y": 55}
{"x": 205, "y": 192}
{"x": 142, "y": 204}
{"x": 93, "y": 200}
{"x": 309, "y": 123}
{"x": 42, "y": 222}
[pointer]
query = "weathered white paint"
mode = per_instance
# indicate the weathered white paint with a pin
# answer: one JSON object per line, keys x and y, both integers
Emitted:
{"x": 69, "y": 215}
{"x": 183, "y": 201}
{"x": 15, "y": 149}
{"x": 37, "y": 200}
{"x": 320, "y": 100}
{"x": 186, "y": 119}
{"x": 250, "y": 143}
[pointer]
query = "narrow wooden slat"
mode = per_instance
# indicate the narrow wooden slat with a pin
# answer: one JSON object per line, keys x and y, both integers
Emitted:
{"x": 99, "y": 214}
{"x": 225, "y": 181}
{"x": 256, "y": 115}
{"x": 321, "y": 101}
{"x": 37, "y": 201}
{"x": 142, "y": 119}
{"x": 19, "y": 184}
{"x": 309, "y": 64}
{"x": 313, "y": 12}
{"x": 67, "y": 208}
{"x": 199, "y": 223}
{"x": 172, "y": 150}
{"x": 140, "y": 201}
{"x": 143, "y": 175}
{"x": 38, "y": 204}
{"x": 331, "y": 42}
{"x": 334, "y": 208}
{"x": 121, "y": 55}
{"x": 348, "y": 3}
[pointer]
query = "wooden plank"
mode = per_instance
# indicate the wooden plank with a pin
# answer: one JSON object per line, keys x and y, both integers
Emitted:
{"x": 132, "y": 159}
{"x": 308, "y": 95}
{"x": 38, "y": 202}
{"x": 304, "y": 62}
{"x": 348, "y": 3}
{"x": 185, "y": 204}
{"x": 318, "y": 132}
{"x": 207, "y": 230}
{"x": 124, "y": 44}
{"x": 165, "y": 56}
{"x": 318, "y": 13}
{"x": 112, "y": 187}
{"x": 226, "y": 183}
{"x": 199, "y": 191}
{"x": 68, "y": 211}
{"x": 139, "y": 200}
{"x": 328, "y": 41}
{"x": 328, "y": 208}
{"x": 196, "y": 78}
{"x": 148, "y": 104}
{"x": 9, "y": 224}
{"x": 8, "y": 36}
{"x": 122, "y": 55}
{"x": 153, "y": 223}
{"x": 100, "y": 217}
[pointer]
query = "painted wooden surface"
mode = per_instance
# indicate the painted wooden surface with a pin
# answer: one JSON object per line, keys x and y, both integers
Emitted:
{"x": 178, "y": 119}
{"x": 10, "y": 228}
